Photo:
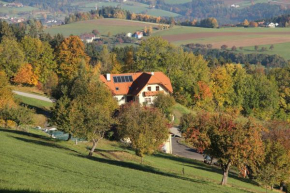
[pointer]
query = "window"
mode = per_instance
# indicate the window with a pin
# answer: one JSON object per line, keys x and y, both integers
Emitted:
{"x": 157, "y": 88}
{"x": 149, "y": 88}
{"x": 117, "y": 88}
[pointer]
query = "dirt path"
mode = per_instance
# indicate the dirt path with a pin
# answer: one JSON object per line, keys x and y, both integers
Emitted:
{"x": 34, "y": 96}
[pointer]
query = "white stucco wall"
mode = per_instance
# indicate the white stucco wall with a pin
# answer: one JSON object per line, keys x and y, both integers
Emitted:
{"x": 167, "y": 146}
{"x": 142, "y": 98}
{"x": 121, "y": 99}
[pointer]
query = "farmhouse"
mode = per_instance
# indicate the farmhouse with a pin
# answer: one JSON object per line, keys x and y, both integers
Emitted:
{"x": 142, "y": 86}
{"x": 138, "y": 35}
{"x": 88, "y": 38}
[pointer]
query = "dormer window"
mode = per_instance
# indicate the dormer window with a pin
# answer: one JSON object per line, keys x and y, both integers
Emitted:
{"x": 117, "y": 88}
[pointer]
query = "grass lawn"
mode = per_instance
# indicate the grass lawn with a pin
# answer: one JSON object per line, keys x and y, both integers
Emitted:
{"x": 32, "y": 162}
{"x": 178, "y": 111}
{"x": 34, "y": 102}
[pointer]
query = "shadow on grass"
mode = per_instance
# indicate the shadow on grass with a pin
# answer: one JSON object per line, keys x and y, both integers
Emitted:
{"x": 143, "y": 168}
{"x": 39, "y": 139}
{"x": 201, "y": 166}
{"x": 38, "y": 110}
{"x": 219, "y": 171}
{"x": 19, "y": 191}
{"x": 43, "y": 143}
{"x": 28, "y": 134}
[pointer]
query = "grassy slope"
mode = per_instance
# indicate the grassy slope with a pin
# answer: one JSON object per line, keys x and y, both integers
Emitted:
{"x": 36, "y": 163}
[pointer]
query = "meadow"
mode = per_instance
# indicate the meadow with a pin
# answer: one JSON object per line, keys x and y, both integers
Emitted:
{"x": 134, "y": 7}
{"x": 104, "y": 26}
{"x": 33, "y": 162}
{"x": 15, "y": 10}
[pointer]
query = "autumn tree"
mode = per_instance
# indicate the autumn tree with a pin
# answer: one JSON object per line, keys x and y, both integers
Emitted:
{"x": 70, "y": 55}
{"x": 18, "y": 114}
{"x": 224, "y": 47}
{"x": 246, "y": 23}
{"x": 145, "y": 127}
{"x": 221, "y": 136}
{"x": 25, "y": 76}
{"x": 6, "y": 95}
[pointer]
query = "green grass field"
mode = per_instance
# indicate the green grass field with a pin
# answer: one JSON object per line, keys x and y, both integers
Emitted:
{"x": 32, "y": 162}
{"x": 34, "y": 102}
{"x": 177, "y": 2}
{"x": 134, "y": 7}
{"x": 14, "y": 10}
{"x": 280, "y": 49}
{"x": 104, "y": 26}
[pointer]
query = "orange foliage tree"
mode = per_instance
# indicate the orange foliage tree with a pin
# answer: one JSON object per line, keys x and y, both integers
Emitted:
{"x": 221, "y": 136}
{"x": 25, "y": 75}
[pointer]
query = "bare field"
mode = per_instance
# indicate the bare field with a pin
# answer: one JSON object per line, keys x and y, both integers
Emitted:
{"x": 217, "y": 39}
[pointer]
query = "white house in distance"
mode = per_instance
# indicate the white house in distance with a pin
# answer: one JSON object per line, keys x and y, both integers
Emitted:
{"x": 88, "y": 38}
{"x": 142, "y": 87}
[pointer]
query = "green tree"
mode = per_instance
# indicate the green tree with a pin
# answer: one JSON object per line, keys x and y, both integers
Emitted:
{"x": 221, "y": 136}
{"x": 11, "y": 56}
{"x": 106, "y": 62}
{"x": 145, "y": 127}
{"x": 164, "y": 103}
{"x": 276, "y": 164}
{"x": 40, "y": 56}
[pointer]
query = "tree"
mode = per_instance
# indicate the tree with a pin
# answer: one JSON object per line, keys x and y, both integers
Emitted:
{"x": 276, "y": 164}
{"x": 96, "y": 32}
{"x": 6, "y": 95}
{"x": 256, "y": 47}
{"x": 253, "y": 24}
{"x": 221, "y": 136}
{"x": 224, "y": 47}
{"x": 246, "y": 23}
{"x": 70, "y": 55}
{"x": 145, "y": 127}
{"x": 26, "y": 76}
{"x": 209, "y": 23}
{"x": 106, "y": 61}
{"x": 234, "y": 48}
{"x": 164, "y": 103}
{"x": 271, "y": 47}
{"x": 11, "y": 56}
{"x": 150, "y": 30}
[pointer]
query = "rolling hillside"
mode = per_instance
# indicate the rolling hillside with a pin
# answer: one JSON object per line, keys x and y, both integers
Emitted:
{"x": 32, "y": 162}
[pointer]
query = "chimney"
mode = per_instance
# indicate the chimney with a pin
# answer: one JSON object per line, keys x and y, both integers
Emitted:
{"x": 108, "y": 77}
{"x": 152, "y": 73}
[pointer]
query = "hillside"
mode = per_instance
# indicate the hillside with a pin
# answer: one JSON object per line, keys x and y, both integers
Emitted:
{"x": 181, "y": 35}
{"x": 33, "y": 162}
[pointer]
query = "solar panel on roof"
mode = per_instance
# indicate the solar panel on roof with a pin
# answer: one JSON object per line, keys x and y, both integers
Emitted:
{"x": 120, "y": 79}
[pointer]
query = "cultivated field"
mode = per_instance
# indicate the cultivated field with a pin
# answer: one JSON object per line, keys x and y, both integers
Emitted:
{"x": 114, "y": 26}
{"x": 239, "y": 37}
{"x": 33, "y": 162}
{"x": 247, "y": 3}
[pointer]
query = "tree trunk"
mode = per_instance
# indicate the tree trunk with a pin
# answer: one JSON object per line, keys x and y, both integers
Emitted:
{"x": 94, "y": 147}
{"x": 225, "y": 169}
{"x": 69, "y": 137}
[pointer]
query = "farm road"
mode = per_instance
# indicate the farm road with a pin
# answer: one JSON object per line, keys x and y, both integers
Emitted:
{"x": 183, "y": 151}
{"x": 34, "y": 96}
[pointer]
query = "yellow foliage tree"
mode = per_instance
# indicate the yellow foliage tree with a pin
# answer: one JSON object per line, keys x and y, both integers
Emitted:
{"x": 25, "y": 75}
{"x": 6, "y": 96}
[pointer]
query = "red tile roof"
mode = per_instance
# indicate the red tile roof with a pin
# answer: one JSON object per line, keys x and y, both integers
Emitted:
{"x": 140, "y": 80}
